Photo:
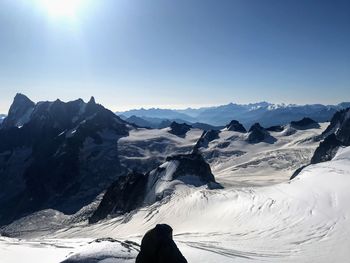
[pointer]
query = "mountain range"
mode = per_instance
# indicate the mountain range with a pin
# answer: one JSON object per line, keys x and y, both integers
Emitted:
{"x": 76, "y": 169}
{"x": 267, "y": 114}
{"x": 63, "y": 155}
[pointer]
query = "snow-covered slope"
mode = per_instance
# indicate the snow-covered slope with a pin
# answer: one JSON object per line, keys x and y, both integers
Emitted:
{"x": 234, "y": 161}
{"x": 304, "y": 220}
{"x": 147, "y": 148}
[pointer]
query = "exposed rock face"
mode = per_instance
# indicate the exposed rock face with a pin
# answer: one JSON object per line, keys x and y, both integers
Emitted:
{"x": 179, "y": 129}
{"x": 62, "y": 157}
{"x": 19, "y": 112}
{"x": 326, "y": 150}
{"x": 259, "y": 134}
{"x": 194, "y": 165}
{"x": 124, "y": 195}
{"x": 158, "y": 246}
{"x": 133, "y": 191}
{"x": 236, "y": 126}
{"x": 340, "y": 125}
{"x": 305, "y": 123}
{"x": 276, "y": 128}
{"x": 206, "y": 138}
{"x": 336, "y": 135}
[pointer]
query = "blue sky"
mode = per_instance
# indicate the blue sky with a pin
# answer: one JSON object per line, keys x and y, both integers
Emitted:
{"x": 137, "y": 53}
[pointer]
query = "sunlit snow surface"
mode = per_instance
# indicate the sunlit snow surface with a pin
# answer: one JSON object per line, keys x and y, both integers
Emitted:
{"x": 233, "y": 160}
{"x": 305, "y": 220}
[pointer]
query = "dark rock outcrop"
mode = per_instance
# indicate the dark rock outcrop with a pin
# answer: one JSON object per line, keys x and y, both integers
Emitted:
{"x": 326, "y": 150}
{"x": 194, "y": 165}
{"x": 336, "y": 135}
{"x": 179, "y": 129}
{"x": 236, "y": 126}
{"x": 297, "y": 171}
{"x": 62, "y": 157}
{"x": 276, "y": 128}
{"x": 136, "y": 190}
{"x": 124, "y": 195}
{"x": 206, "y": 138}
{"x": 304, "y": 124}
{"x": 19, "y": 112}
{"x": 259, "y": 134}
{"x": 340, "y": 125}
{"x": 158, "y": 246}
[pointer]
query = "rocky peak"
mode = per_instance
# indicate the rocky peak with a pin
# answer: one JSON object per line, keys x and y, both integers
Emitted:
{"x": 206, "y": 138}
{"x": 236, "y": 126}
{"x": 305, "y": 123}
{"x": 19, "y": 112}
{"x": 192, "y": 164}
{"x": 257, "y": 133}
{"x": 337, "y": 134}
{"x": 92, "y": 100}
{"x": 256, "y": 127}
{"x": 179, "y": 129}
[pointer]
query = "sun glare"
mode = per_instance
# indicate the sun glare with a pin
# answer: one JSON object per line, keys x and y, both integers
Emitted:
{"x": 61, "y": 8}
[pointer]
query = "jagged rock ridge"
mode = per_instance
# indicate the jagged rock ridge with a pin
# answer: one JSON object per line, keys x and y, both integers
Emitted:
{"x": 259, "y": 134}
{"x": 56, "y": 155}
{"x": 336, "y": 135}
{"x": 236, "y": 126}
{"x": 136, "y": 190}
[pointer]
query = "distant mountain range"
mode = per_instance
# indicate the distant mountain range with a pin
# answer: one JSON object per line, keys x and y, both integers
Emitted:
{"x": 267, "y": 114}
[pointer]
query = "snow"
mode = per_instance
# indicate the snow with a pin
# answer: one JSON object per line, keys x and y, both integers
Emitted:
{"x": 303, "y": 220}
{"x": 160, "y": 183}
{"x": 148, "y": 148}
{"x": 235, "y": 162}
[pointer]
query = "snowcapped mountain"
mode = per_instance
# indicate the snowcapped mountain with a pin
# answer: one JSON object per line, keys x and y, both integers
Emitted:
{"x": 81, "y": 184}
{"x": 265, "y": 113}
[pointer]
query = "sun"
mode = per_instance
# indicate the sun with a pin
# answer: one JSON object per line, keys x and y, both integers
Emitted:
{"x": 61, "y": 8}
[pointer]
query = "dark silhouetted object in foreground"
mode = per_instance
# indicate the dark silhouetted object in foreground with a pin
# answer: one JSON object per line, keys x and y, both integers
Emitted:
{"x": 158, "y": 246}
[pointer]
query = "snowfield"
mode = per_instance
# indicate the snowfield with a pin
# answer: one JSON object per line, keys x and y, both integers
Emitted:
{"x": 235, "y": 162}
{"x": 304, "y": 220}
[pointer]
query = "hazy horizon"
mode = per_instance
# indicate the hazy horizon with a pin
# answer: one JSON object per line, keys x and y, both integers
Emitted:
{"x": 173, "y": 107}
